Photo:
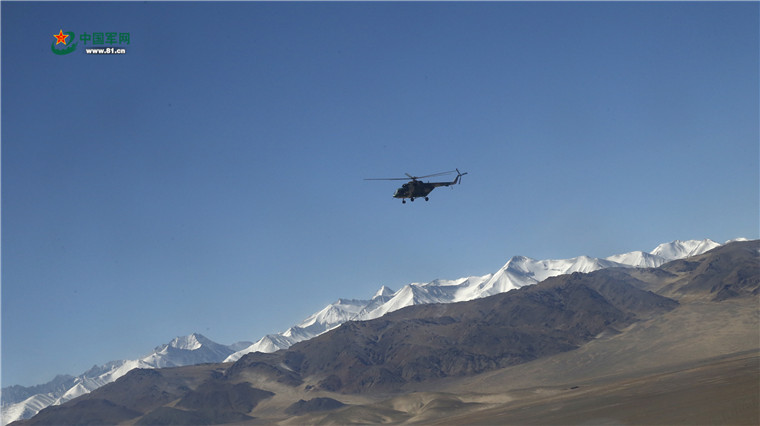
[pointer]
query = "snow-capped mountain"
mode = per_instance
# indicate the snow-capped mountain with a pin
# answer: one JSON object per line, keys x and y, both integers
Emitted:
{"x": 187, "y": 350}
{"x": 517, "y": 272}
{"x": 194, "y": 349}
{"x": 330, "y": 317}
{"x": 639, "y": 259}
{"x": 680, "y": 249}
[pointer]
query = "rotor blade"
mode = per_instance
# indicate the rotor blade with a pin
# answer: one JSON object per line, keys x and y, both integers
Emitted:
{"x": 435, "y": 174}
{"x": 410, "y": 177}
{"x": 387, "y": 179}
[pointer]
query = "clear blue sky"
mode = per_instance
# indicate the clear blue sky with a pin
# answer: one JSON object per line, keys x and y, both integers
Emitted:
{"x": 211, "y": 179}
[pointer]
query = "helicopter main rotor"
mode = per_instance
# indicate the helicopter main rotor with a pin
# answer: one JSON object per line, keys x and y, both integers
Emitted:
{"x": 414, "y": 178}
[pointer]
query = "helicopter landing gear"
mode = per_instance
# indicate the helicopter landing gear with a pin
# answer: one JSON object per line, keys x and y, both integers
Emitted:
{"x": 411, "y": 199}
{"x": 403, "y": 201}
{"x": 427, "y": 199}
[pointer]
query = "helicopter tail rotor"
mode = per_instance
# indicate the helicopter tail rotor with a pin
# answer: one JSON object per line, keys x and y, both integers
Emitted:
{"x": 459, "y": 176}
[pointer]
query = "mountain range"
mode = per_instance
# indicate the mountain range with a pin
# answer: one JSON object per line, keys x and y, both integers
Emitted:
{"x": 23, "y": 402}
{"x": 519, "y": 271}
{"x": 673, "y": 344}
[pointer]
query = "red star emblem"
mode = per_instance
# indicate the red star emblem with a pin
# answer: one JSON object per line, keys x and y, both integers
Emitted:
{"x": 61, "y": 37}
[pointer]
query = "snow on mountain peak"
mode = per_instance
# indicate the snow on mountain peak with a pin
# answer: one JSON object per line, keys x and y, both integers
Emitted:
{"x": 383, "y": 292}
{"x": 188, "y": 343}
{"x": 736, "y": 239}
{"x": 679, "y": 249}
{"x": 637, "y": 259}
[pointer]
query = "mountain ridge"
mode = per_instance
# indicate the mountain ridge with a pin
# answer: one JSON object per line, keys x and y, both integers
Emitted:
{"x": 517, "y": 272}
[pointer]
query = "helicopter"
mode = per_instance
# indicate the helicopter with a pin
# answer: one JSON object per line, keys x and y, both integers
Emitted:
{"x": 416, "y": 189}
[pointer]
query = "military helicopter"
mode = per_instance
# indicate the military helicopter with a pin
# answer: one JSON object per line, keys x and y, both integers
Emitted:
{"x": 416, "y": 189}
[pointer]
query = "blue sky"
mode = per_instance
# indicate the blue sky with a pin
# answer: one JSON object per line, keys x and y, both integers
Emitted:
{"x": 211, "y": 179}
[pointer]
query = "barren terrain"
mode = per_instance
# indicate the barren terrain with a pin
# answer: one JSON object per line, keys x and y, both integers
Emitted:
{"x": 698, "y": 364}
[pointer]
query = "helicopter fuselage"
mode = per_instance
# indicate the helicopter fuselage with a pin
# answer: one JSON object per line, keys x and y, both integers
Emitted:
{"x": 416, "y": 189}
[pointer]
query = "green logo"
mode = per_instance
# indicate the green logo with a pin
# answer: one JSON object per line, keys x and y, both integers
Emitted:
{"x": 60, "y": 38}
{"x": 100, "y": 43}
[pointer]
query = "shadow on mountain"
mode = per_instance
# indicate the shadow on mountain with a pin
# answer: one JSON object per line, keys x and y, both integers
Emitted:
{"x": 313, "y": 405}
